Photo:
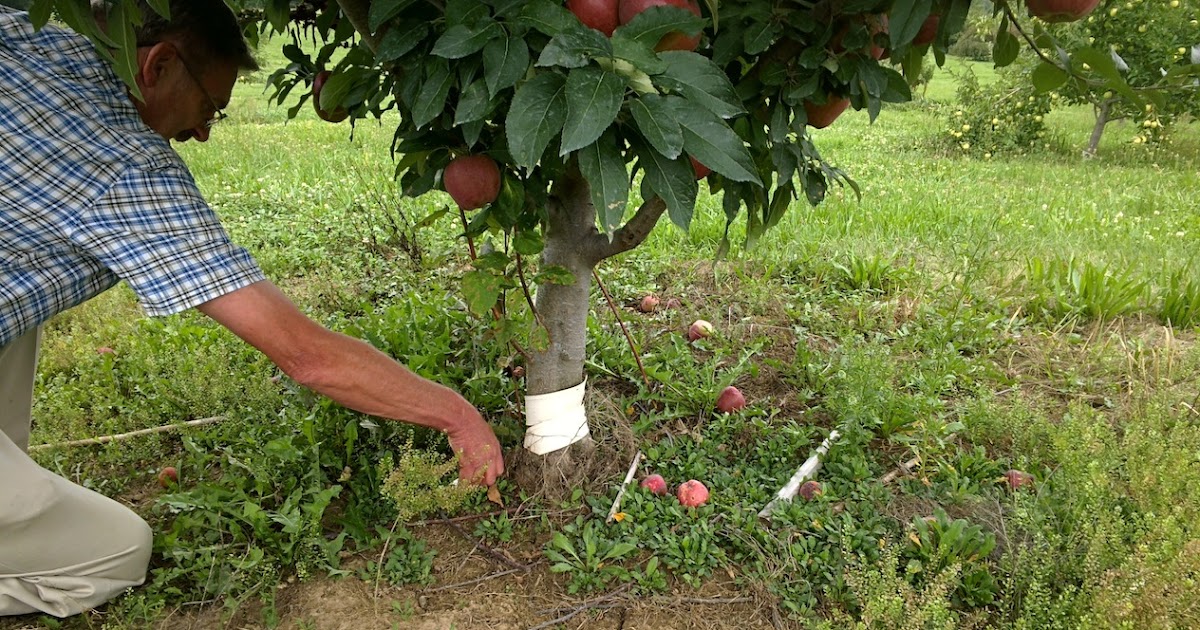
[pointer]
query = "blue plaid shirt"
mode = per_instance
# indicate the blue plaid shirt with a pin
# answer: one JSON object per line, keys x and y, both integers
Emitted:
{"x": 90, "y": 195}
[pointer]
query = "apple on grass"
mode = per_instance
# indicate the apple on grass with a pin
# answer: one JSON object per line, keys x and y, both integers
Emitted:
{"x": 473, "y": 181}
{"x": 692, "y": 493}
{"x": 655, "y": 483}
{"x": 731, "y": 400}
{"x": 1017, "y": 479}
{"x": 810, "y": 490}
{"x": 649, "y": 304}
{"x": 699, "y": 330}
{"x": 168, "y": 477}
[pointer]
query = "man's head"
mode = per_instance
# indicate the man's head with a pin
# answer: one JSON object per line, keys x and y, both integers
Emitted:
{"x": 187, "y": 65}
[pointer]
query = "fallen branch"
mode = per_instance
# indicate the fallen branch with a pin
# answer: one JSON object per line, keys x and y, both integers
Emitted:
{"x": 490, "y": 576}
{"x": 903, "y": 469}
{"x": 492, "y": 553}
{"x": 806, "y": 471}
{"x": 599, "y": 603}
{"x": 637, "y": 459}
{"x": 104, "y": 439}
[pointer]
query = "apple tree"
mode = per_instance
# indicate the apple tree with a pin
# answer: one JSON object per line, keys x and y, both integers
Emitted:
{"x": 1152, "y": 45}
{"x": 570, "y": 130}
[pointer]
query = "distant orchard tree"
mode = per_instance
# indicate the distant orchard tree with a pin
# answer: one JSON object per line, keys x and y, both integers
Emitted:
{"x": 1149, "y": 42}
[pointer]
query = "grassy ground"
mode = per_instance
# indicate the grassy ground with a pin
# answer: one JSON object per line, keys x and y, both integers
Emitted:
{"x": 982, "y": 314}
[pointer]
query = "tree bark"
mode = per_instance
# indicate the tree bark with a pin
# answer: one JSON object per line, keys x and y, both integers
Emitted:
{"x": 1102, "y": 111}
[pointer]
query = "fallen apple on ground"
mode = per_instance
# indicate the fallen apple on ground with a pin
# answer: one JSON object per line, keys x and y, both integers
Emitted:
{"x": 649, "y": 304}
{"x": 168, "y": 477}
{"x": 692, "y": 493}
{"x": 1017, "y": 479}
{"x": 810, "y": 490}
{"x": 655, "y": 483}
{"x": 730, "y": 400}
{"x": 699, "y": 330}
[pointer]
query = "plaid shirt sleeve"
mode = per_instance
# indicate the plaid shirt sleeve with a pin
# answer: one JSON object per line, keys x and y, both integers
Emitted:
{"x": 153, "y": 229}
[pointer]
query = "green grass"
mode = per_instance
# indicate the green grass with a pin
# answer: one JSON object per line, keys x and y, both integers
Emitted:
{"x": 983, "y": 314}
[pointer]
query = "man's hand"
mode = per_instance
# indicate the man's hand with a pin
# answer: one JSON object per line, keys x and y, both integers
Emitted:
{"x": 479, "y": 457}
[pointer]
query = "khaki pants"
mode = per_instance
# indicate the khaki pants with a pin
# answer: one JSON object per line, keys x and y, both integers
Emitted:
{"x": 63, "y": 549}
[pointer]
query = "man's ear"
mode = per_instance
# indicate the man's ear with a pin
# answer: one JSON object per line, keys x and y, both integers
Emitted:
{"x": 154, "y": 61}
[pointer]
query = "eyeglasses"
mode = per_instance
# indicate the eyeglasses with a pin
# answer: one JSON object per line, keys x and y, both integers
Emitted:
{"x": 218, "y": 114}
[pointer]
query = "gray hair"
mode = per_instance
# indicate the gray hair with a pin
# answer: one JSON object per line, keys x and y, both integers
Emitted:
{"x": 207, "y": 30}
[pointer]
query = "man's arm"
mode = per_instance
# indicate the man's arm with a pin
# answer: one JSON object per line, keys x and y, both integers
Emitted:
{"x": 355, "y": 374}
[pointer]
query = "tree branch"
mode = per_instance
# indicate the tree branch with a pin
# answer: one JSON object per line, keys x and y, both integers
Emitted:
{"x": 357, "y": 11}
{"x": 635, "y": 231}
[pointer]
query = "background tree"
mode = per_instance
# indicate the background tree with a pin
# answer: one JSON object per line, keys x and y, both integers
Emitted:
{"x": 568, "y": 118}
{"x": 1150, "y": 44}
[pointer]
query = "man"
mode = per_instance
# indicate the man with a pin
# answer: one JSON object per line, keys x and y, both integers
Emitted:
{"x": 91, "y": 193}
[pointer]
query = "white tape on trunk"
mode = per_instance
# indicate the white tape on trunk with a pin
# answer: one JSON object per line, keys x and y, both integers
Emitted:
{"x": 554, "y": 421}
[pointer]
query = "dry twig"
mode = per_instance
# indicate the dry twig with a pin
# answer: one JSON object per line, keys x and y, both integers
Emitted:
{"x": 125, "y": 436}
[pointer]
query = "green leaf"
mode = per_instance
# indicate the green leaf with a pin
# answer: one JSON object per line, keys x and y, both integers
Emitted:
{"x": 465, "y": 12}
{"x": 710, "y": 140}
{"x": 161, "y": 7}
{"x": 1047, "y": 77}
{"x": 472, "y": 104}
{"x": 39, "y": 13}
{"x": 384, "y": 10}
{"x": 126, "y": 55}
{"x": 431, "y": 100}
{"x": 608, "y": 179}
{"x": 400, "y": 40}
{"x": 699, "y": 79}
{"x": 651, "y": 25}
{"x": 905, "y": 20}
{"x": 461, "y": 40}
{"x": 481, "y": 289}
{"x": 757, "y": 40}
{"x": 279, "y": 12}
{"x": 505, "y": 61}
{"x": 528, "y": 242}
{"x": 1006, "y": 47}
{"x": 535, "y": 116}
{"x": 655, "y": 118}
{"x": 639, "y": 54}
{"x": 547, "y": 16}
{"x": 671, "y": 180}
{"x": 336, "y": 88}
{"x": 593, "y": 102}
{"x": 575, "y": 48}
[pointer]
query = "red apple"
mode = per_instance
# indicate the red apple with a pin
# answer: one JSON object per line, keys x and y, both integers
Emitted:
{"x": 699, "y": 330}
{"x": 629, "y": 9}
{"x": 673, "y": 304}
{"x": 601, "y": 15}
{"x": 731, "y": 400}
{"x": 649, "y": 304}
{"x": 702, "y": 171}
{"x": 821, "y": 116}
{"x": 473, "y": 181}
{"x": 656, "y": 484}
{"x": 168, "y": 477}
{"x": 928, "y": 32}
{"x": 1017, "y": 479}
{"x": 810, "y": 490}
{"x": 1061, "y": 10}
{"x": 692, "y": 493}
{"x": 105, "y": 350}
{"x": 335, "y": 116}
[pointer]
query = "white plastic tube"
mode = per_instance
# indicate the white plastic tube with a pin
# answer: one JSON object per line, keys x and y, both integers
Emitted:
{"x": 556, "y": 420}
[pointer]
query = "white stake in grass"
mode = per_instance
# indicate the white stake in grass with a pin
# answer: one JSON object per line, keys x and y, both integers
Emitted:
{"x": 807, "y": 471}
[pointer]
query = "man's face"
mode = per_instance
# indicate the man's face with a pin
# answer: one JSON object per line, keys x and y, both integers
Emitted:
{"x": 181, "y": 100}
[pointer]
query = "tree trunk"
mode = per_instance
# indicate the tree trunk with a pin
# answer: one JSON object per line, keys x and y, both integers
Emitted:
{"x": 1098, "y": 130}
